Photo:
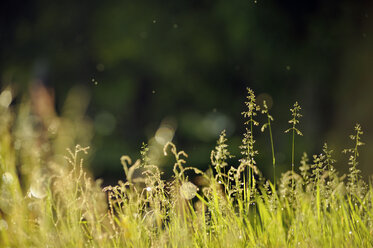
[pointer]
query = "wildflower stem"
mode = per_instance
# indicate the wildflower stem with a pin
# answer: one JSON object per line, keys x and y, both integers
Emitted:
{"x": 294, "y": 121}
{"x": 273, "y": 152}
{"x": 251, "y": 174}
{"x": 292, "y": 160}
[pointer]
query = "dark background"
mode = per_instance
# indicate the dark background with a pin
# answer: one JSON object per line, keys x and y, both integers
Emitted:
{"x": 181, "y": 68}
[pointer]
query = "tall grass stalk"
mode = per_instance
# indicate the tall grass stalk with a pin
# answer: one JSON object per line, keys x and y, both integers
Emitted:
{"x": 294, "y": 121}
{"x": 268, "y": 124}
{"x": 50, "y": 201}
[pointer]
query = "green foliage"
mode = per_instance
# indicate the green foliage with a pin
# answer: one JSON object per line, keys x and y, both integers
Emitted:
{"x": 355, "y": 185}
{"x": 54, "y": 203}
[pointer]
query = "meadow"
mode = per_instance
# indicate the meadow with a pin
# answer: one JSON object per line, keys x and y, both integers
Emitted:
{"x": 49, "y": 199}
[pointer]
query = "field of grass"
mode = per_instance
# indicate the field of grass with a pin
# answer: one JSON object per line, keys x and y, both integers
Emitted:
{"x": 49, "y": 200}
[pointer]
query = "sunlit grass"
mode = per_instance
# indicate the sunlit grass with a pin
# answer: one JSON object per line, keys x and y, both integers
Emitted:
{"x": 47, "y": 200}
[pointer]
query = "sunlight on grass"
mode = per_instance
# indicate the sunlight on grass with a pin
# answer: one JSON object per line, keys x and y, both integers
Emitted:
{"x": 46, "y": 201}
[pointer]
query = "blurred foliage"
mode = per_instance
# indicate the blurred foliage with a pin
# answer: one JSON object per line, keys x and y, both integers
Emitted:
{"x": 184, "y": 65}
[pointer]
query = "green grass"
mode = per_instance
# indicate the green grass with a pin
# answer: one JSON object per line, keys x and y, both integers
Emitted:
{"x": 46, "y": 201}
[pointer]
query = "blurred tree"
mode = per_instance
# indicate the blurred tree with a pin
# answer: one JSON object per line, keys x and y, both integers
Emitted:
{"x": 146, "y": 61}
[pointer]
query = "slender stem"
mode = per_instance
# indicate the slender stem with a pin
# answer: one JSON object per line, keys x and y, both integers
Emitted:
{"x": 355, "y": 157}
{"x": 273, "y": 152}
{"x": 292, "y": 162}
{"x": 250, "y": 172}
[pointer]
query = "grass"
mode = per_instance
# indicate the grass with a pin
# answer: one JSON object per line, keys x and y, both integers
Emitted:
{"x": 46, "y": 201}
